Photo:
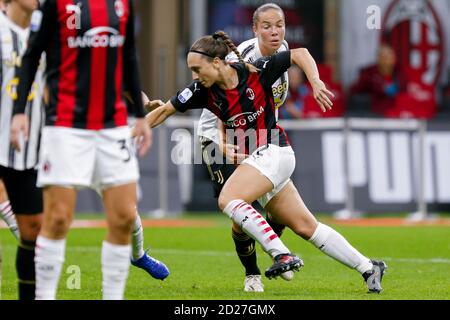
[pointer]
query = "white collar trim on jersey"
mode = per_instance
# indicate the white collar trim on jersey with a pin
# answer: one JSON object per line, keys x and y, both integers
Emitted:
{"x": 15, "y": 27}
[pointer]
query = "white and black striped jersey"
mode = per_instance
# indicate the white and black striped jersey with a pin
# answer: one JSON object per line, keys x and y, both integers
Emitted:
{"x": 250, "y": 52}
{"x": 13, "y": 41}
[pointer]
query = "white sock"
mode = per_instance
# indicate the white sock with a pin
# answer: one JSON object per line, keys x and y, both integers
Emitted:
{"x": 334, "y": 245}
{"x": 137, "y": 239}
{"x": 255, "y": 226}
{"x": 115, "y": 265}
{"x": 49, "y": 259}
{"x": 8, "y": 216}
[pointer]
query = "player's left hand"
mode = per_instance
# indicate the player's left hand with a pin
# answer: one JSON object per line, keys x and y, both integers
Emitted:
{"x": 322, "y": 95}
{"x": 19, "y": 126}
{"x": 150, "y": 105}
{"x": 143, "y": 136}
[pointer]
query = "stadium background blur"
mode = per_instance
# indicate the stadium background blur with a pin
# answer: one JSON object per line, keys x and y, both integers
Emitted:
{"x": 350, "y": 164}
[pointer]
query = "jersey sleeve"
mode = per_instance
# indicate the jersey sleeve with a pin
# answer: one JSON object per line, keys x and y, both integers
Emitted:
{"x": 130, "y": 67}
{"x": 273, "y": 67}
{"x": 194, "y": 96}
{"x": 42, "y": 27}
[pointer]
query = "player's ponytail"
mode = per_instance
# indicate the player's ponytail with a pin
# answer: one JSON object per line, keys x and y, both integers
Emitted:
{"x": 218, "y": 45}
{"x": 222, "y": 35}
{"x": 230, "y": 44}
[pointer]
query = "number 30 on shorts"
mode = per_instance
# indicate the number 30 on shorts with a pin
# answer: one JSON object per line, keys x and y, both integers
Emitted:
{"x": 125, "y": 149}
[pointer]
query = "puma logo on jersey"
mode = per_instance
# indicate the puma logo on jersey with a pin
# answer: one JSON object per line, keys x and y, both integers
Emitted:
{"x": 218, "y": 105}
{"x": 196, "y": 87}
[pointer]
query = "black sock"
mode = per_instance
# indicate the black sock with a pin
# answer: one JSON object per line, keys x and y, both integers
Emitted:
{"x": 277, "y": 228}
{"x": 25, "y": 270}
{"x": 246, "y": 251}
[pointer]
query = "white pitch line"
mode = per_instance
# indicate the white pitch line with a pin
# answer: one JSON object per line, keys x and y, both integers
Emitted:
{"x": 437, "y": 260}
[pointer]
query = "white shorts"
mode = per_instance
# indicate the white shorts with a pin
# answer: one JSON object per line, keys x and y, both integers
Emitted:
{"x": 87, "y": 158}
{"x": 277, "y": 164}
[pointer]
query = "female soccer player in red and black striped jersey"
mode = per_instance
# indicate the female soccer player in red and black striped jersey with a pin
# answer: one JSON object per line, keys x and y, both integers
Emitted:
{"x": 242, "y": 98}
{"x": 91, "y": 56}
{"x": 269, "y": 29}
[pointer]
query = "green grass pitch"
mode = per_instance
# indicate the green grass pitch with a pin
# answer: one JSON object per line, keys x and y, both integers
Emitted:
{"x": 204, "y": 266}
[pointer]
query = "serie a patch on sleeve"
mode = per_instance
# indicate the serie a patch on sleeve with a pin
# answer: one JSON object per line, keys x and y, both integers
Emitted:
{"x": 185, "y": 95}
{"x": 36, "y": 20}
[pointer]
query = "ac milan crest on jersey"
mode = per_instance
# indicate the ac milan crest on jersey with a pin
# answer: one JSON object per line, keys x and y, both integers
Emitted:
{"x": 119, "y": 8}
{"x": 414, "y": 30}
{"x": 250, "y": 94}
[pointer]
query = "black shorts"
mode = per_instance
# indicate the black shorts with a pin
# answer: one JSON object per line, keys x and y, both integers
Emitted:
{"x": 218, "y": 172}
{"x": 24, "y": 196}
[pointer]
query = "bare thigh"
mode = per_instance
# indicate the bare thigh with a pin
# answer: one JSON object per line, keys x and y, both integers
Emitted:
{"x": 288, "y": 208}
{"x": 246, "y": 183}
{"x": 3, "y": 194}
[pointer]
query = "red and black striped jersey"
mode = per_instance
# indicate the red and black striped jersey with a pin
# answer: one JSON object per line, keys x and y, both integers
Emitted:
{"x": 91, "y": 58}
{"x": 249, "y": 109}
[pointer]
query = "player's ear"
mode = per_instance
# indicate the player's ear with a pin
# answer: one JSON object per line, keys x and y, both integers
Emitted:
{"x": 216, "y": 62}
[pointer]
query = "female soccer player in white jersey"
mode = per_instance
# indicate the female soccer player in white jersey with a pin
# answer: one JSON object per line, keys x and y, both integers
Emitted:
{"x": 242, "y": 98}
{"x": 17, "y": 169}
{"x": 269, "y": 29}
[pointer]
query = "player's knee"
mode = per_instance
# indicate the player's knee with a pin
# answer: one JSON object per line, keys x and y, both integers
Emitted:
{"x": 223, "y": 201}
{"x": 305, "y": 229}
{"x": 31, "y": 230}
{"x": 123, "y": 220}
{"x": 58, "y": 224}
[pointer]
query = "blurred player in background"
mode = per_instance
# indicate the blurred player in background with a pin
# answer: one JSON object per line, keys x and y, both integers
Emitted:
{"x": 18, "y": 168}
{"x": 6, "y": 212}
{"x": 269, "y": 29}
{"x": 241, "y": 96}
{"x": 139, "y": 257}
{"x": 91, "y": 54}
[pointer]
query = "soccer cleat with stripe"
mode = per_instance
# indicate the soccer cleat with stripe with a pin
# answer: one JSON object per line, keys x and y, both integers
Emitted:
{"x": 282, "y": 263}
{"x": 155, "y": 268}
{"x": 374, "y": 276}
{"x": 253, "y": 283}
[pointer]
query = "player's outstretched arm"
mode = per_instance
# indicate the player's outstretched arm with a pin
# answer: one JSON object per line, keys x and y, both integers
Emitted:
{"x": 157, "y": 116}
{"x": 302, "y": 58}
{"x": 149, "y": 105}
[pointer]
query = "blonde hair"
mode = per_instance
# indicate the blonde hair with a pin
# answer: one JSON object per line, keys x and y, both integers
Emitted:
{"x": 264, "y": 8}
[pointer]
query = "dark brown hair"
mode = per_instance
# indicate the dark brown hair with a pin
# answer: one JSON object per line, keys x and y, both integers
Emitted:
{"x": 218, "y": 45}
